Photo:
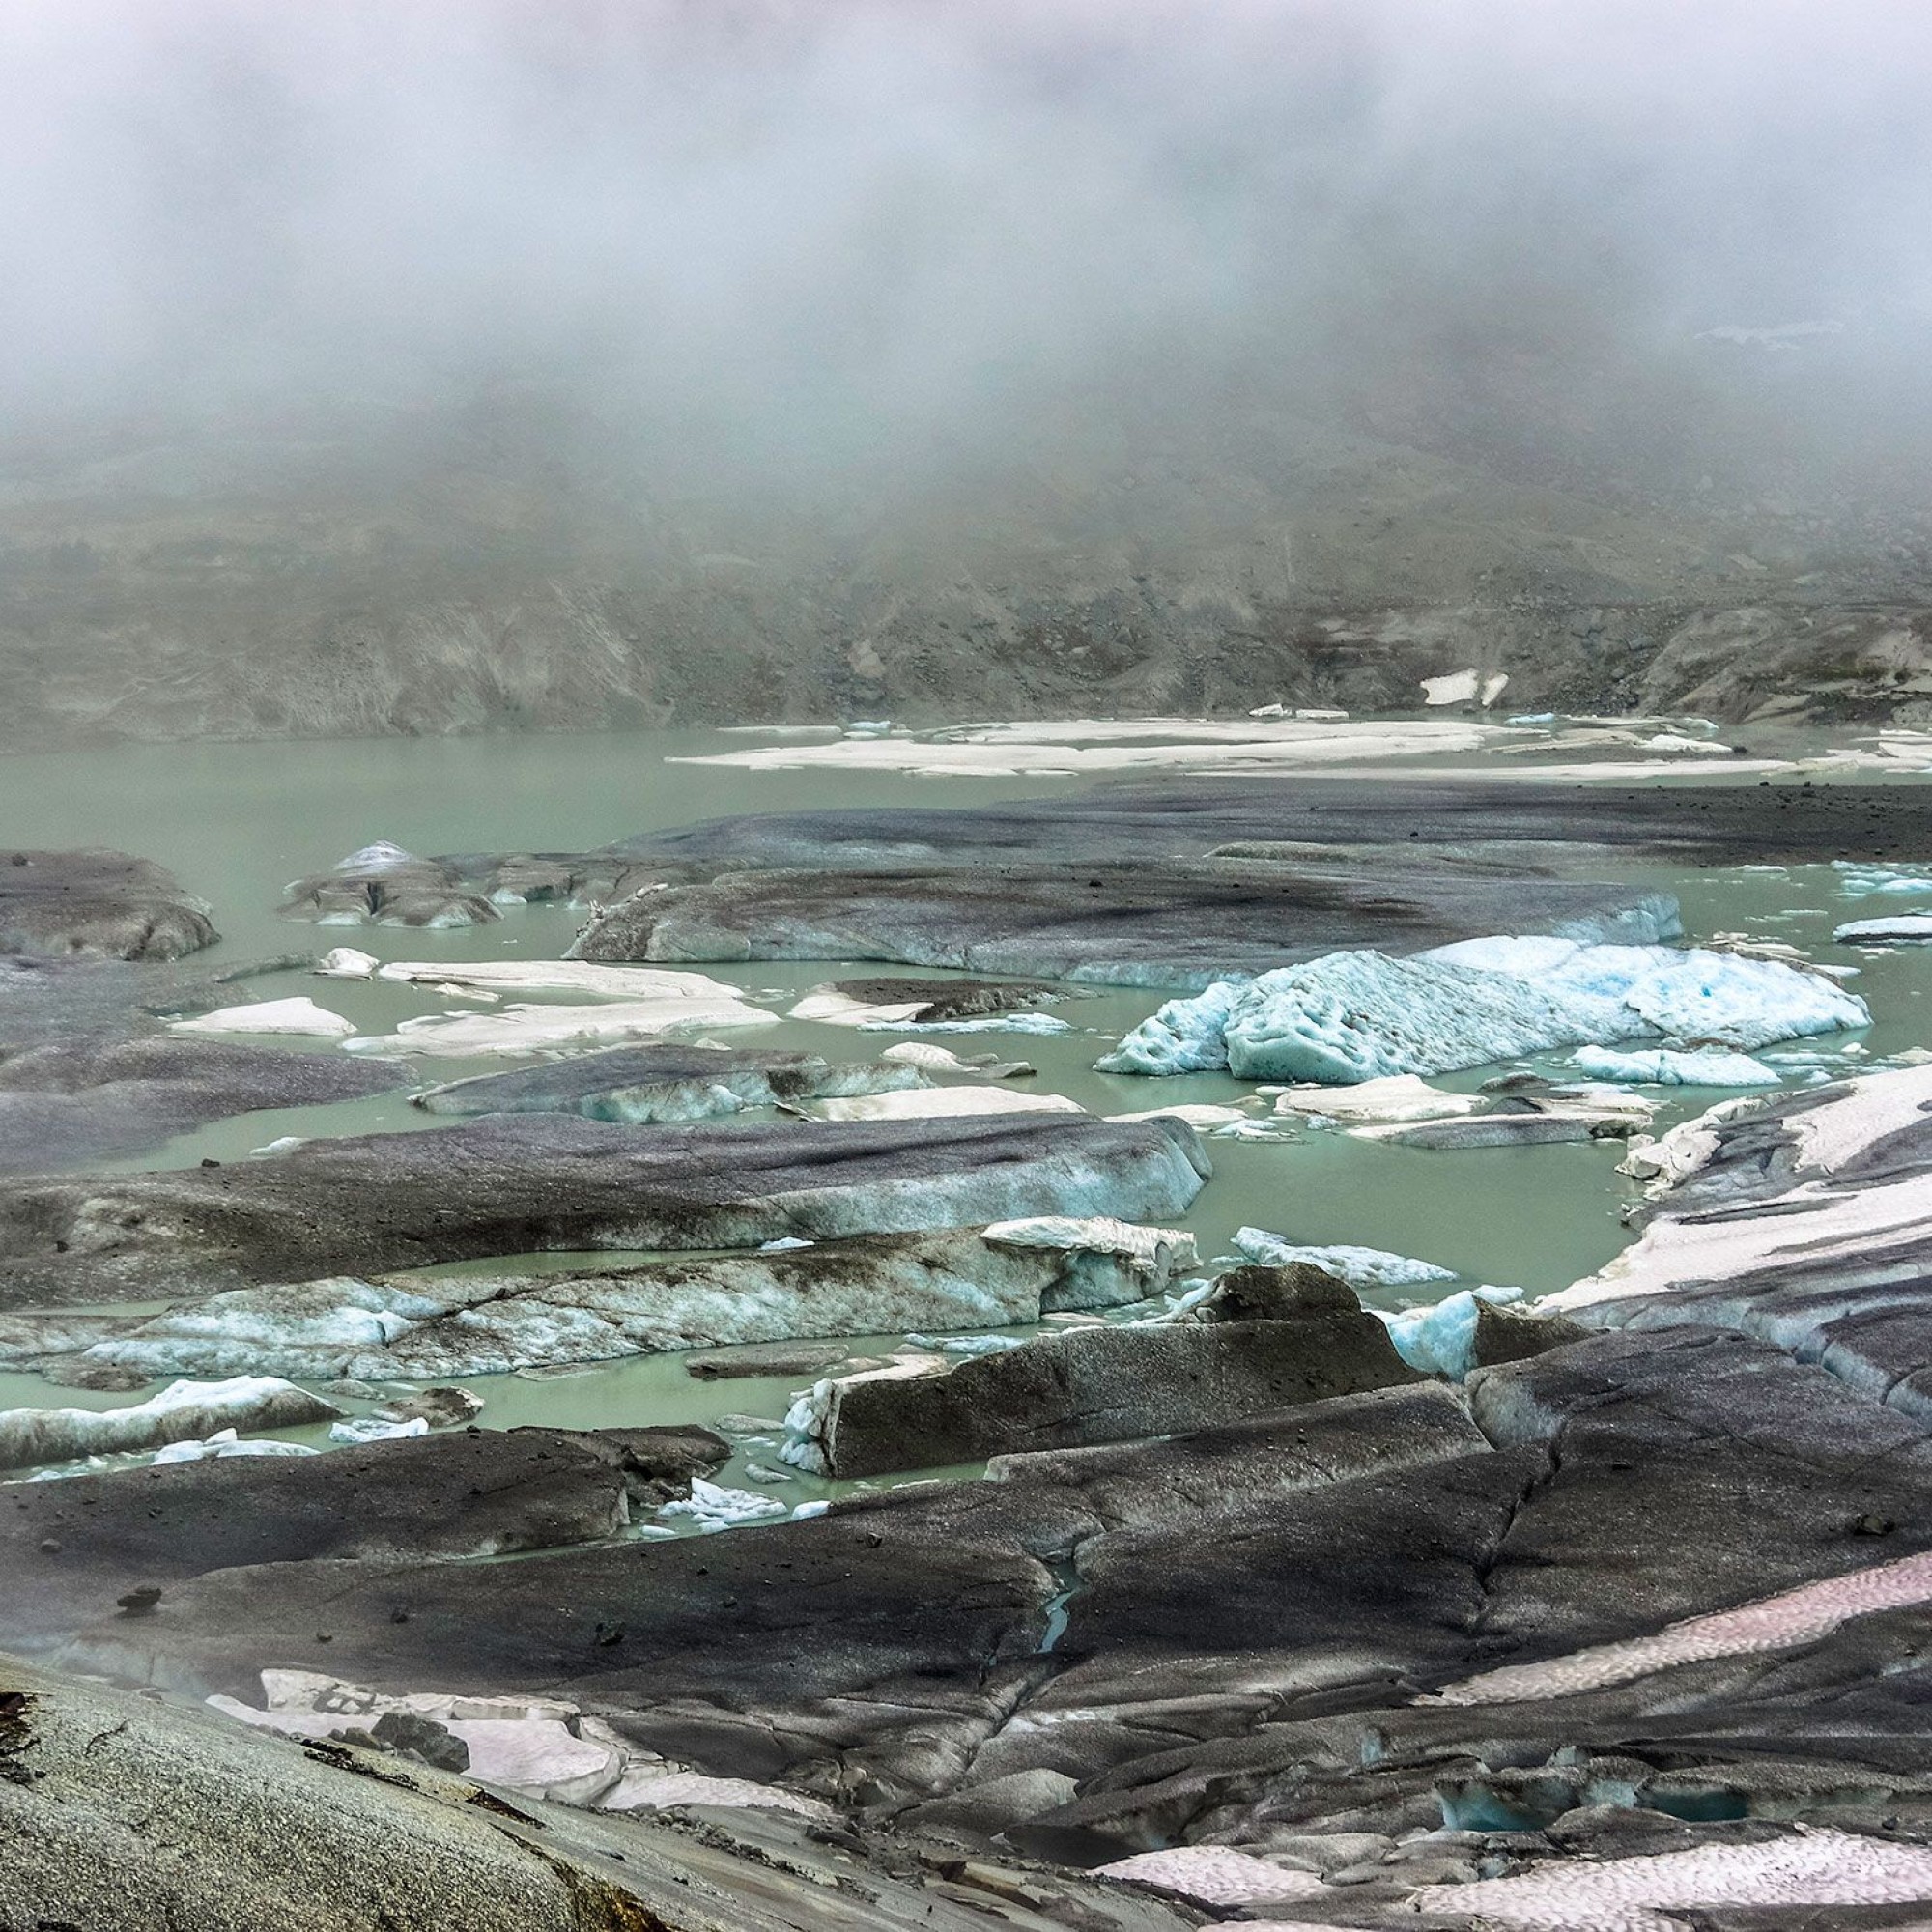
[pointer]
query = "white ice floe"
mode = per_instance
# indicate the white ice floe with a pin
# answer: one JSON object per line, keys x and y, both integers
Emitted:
{"x": 539, "y": 1028}
{"x": 183, "y": 1411}
{"x": 226, "y": 1442}
{"x": 927, "y": 1058}
{"x": 712, "y": 1506}
{"x": 1858, "y": 880}
{"x": 564, "y": 976}
{"x": 1675, "y": 742}
{"x": 932, "y": 1104}
{"x": 1374, "y": 1267}
{"x": 1034, "y": 1023}
{"x": 1400, "y": 1097}
{"x": 1814, "y": 1867}
{"x": 1092, "y": 745}
{"x": 345, "y": 962}
{"x": 426, "y": 1328}
{"x": 372, "y": 1428}
{"x": 966, "y": 1345}
{"x": 1464, "y": 687}
{"x": 1440, "y": 1340}
{"x": 1916, "y": 926}
{"x": 1350, "y": 1017}
{"x": 301, "y": 1016}
{"x": 1661, "y": 1066}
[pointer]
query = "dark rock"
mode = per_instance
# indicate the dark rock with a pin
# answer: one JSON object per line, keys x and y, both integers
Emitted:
{"x": 506, "y": 1185}
{"x": 1258, "y": 1293}
{"x": 422, "y": 1739}
{"x": 106, "y": 1378}
{"x": 1506, "y": 1334}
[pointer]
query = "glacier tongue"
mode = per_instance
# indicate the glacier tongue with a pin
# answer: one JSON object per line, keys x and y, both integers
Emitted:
{"x": 1350, "y": 1017}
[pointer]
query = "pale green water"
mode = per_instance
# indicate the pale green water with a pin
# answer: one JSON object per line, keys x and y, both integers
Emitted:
{"x": 237, "y": 822}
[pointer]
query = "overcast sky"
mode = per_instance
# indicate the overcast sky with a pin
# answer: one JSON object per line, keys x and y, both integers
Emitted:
{"x": 915, "y": 215}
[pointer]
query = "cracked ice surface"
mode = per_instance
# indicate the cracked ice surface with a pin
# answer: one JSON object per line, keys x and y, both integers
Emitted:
{"x": 1351, "y": 1017}
{"x": 1803, "y": 1615}
{"x": 1634, "y": 1895}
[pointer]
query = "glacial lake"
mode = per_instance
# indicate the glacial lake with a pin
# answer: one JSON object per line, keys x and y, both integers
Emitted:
{"x": 236, "y": 823}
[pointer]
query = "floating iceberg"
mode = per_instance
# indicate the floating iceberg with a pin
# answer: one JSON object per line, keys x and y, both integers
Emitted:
{"x": 182, "y": 1410}
{"x": 1661, "y": 1066}
{"x": 711, "y": 1506}
{"x": 1916, "y": 925}
{"x": 1858, "y": 880}
{"x": 930, "y": 1103}
{"x": 1400, "y": 1097}
{"x": 1350, "y": 1017}
{"x": 286, "y": 1016}
{"x": 225, "y": 1442}
{"x": 534, "y": 1029}
{"x": 1373, "y": 1267}
{"x": 373, "y": 1429}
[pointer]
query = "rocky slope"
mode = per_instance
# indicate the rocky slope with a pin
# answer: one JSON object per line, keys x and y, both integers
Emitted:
{"x": 516, "y": 564}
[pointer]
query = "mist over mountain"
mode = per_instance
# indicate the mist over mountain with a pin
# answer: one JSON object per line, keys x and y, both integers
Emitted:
{"x": 454, "y": 366}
